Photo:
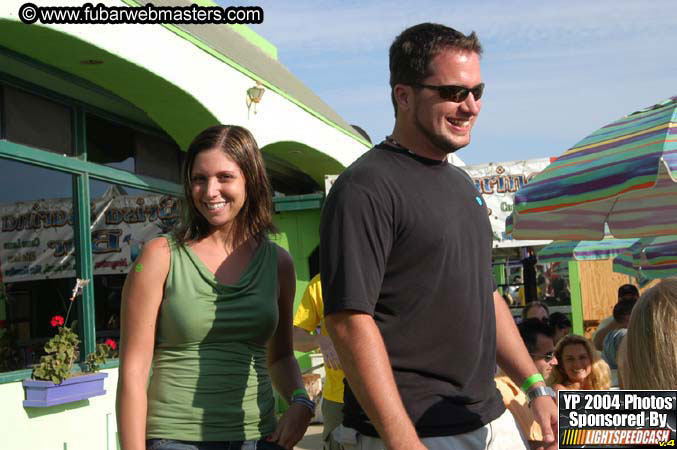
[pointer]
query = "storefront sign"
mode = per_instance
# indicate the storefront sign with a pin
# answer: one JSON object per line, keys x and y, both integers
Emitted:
{"x": 498, "y": 182}
{"x": 36, "y": 238}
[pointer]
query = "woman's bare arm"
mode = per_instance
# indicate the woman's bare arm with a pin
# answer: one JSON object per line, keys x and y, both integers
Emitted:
{"x": 141, "y": 298}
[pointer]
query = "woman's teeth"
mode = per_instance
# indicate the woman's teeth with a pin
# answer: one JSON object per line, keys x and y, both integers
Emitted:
{"x": 215, "y": 206}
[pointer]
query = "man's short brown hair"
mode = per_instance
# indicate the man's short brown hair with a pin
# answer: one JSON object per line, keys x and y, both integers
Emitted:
{"x": 412, "y": 51}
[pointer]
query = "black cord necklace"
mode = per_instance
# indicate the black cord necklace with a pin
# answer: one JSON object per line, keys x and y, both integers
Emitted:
{"x": 390, "y": 140}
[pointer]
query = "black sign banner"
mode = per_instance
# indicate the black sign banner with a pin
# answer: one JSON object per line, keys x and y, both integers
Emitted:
{"x": 617, "y": 419}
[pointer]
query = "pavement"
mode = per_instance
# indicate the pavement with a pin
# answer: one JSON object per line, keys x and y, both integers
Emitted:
{"x": 312, "y": 440}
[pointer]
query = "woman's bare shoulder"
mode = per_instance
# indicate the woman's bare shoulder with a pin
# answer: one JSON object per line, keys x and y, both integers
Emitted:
{"x": 158, "y": 247}
{"x": 284, "y": 259}
{"x": 155, "y": 255}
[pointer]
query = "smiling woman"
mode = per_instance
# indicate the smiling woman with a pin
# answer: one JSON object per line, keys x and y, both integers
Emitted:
{"x": 224, "y": 164}
{"x": 579, "y": 366}
{"x": 220, "y": 295}
{"x": 217, "y": 187}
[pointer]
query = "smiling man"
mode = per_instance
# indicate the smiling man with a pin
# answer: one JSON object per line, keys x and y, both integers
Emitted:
{"x": 538, "y": 337}
{"x": 405, "y": 252}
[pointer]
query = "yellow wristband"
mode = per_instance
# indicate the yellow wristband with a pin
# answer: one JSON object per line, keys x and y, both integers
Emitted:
{"x": 531, "y": 380}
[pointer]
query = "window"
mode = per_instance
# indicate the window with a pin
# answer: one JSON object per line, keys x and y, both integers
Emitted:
{"x": 37, "y": 121}
{"x": 124, "y": 220}
{"x": 119, "y": 146}
{"x": 157, "y": 157}
{"x": 37, "y": 248}
{"x": 110, "y": 144}
{"x": 37, "y": 265}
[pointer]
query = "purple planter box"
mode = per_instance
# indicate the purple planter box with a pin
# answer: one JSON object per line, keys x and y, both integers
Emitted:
{"x": 40, "y": 394}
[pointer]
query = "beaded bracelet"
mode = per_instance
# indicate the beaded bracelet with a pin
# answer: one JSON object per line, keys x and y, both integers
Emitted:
{"x": 305, "y": 401}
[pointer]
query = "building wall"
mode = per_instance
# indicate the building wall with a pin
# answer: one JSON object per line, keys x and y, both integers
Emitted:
{"x": 201, "y": 73}
{"x": 301, "y": 236}
{"x": 195, "y": 78}
{"x": 84, "y": 425}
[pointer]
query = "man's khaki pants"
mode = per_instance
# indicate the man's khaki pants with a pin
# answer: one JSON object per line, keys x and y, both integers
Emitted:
{"x": 500, "y": 434}
{"x": 332, "y": 416}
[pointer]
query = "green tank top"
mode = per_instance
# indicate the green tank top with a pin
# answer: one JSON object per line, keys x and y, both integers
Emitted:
{"x": 209, "y": 377}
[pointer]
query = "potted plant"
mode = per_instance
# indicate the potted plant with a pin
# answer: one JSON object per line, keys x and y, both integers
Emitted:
{"x": 53, "y": 383}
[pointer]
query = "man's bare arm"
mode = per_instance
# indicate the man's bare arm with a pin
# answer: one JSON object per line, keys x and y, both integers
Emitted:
{"x": 512, "y": 356}
{"x": 365, "y": 362}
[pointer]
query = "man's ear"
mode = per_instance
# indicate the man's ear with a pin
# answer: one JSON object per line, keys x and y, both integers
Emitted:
{"x": 404, "y": 96}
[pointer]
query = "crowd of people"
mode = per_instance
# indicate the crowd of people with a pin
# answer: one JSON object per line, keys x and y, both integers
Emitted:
{"x": 411, "y": 323}
{"x": 637, "y": 342}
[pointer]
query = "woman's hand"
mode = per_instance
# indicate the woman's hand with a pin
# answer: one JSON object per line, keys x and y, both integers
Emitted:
{"x": 292, "y": 426}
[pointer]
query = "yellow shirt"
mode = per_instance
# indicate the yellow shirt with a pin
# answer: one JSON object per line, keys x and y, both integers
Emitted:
{"x": 518, "y": 404}
{"x": 309, "y": 315}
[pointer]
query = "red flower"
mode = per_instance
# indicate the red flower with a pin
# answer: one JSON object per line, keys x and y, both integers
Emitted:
{"x": 111, "y": 343}
{"x": 57, "y": 321}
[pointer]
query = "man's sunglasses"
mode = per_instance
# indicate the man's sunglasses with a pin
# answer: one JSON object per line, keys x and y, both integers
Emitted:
{"x": 454, "y": 93}
{"x": 547, "y": 357}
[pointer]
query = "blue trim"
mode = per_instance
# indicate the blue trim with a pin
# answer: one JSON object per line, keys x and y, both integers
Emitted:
{"x": 298, "y": 202}
{"x": 2, "y": 113}
{"x": 17, "y": 375}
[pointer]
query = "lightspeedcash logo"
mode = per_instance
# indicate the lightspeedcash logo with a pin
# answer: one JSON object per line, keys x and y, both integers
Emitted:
{"x": 617, "y": 419}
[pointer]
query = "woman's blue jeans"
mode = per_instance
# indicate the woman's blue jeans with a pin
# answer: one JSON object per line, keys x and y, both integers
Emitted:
{"x": 171, "y": 444}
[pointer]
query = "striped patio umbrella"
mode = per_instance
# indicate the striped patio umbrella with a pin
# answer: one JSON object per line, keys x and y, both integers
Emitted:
{"x": 623, "y": 174}
{"x": 584, "y": 250}
{"x": 649, "y": 258}
{"x": 625, "y": 264}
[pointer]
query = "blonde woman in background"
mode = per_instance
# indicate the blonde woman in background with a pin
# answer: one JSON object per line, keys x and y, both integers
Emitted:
{"x": 648, "y": 355}
{"x": 579, "y": 367}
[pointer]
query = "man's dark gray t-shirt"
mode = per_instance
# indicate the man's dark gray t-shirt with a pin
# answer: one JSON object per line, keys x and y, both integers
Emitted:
{"x": 407, "y": 239}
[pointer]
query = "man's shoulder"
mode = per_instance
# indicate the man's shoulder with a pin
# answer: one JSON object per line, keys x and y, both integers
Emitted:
{"x": 377, "y": 173}
{"x": 369, "y": 164}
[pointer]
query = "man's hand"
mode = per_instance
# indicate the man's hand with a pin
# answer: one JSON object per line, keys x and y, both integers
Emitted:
{"x": 331, "y": 359}
{"x": 545, "y": 412}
